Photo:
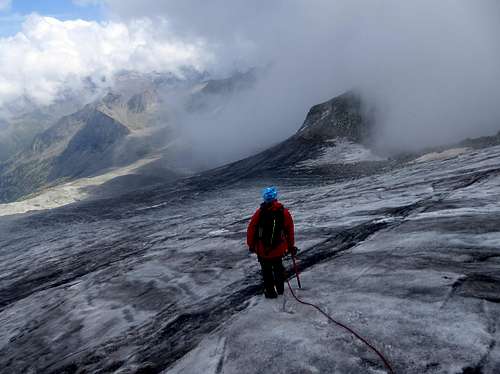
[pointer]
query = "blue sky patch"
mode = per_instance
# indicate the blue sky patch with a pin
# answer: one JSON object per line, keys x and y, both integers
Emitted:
{"x": 12, "y": 19}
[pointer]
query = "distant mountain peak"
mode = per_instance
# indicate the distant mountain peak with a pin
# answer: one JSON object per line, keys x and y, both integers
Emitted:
{"x": 237, "y": 81}
{"x": 340, "y": 117}
{"x": 112, "y": 98}
{"x": 141, "y": 102}
{"x": 90, "y": 149}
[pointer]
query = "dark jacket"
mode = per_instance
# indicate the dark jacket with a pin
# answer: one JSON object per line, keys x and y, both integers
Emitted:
{"x": 288, "y": 239}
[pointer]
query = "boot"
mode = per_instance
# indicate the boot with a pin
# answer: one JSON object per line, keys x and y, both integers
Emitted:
{"x": 270, "y": 294}
{"x": 280, "y": 288}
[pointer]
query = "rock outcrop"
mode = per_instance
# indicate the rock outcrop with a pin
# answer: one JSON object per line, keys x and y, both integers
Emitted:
{"x": 341, "y": 121}
{"x": 340, "y": 117}
{"x": 77, "y": 145}
{"x": 91, "y": 148}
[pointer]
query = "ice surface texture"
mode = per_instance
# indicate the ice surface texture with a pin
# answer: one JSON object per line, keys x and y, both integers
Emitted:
{"x": 161, "y": 281}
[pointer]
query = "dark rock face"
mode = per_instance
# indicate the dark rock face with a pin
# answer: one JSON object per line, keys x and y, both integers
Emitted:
{"x": 25, "y": 120}
{"x": 340, "y": 117}
{"x": 482, "y": 142}
{"x": 139, "y": 103}
{"x": 58, "y": 135}
{"x": 90, "y": 149}
{"x": 79, "y": 144}
{"x": 20, "y": 132}
{"x": 215, "y": 91}
{"x": 29, "y": 170}
{"x": 228, "y": 85}
{"x": 112, "y": 98}
{"x": 59, "y": 151}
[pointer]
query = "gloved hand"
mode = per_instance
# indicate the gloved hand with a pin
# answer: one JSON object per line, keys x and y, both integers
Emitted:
{"x": 293, "y": 251}
{"x": 251, "y": 249}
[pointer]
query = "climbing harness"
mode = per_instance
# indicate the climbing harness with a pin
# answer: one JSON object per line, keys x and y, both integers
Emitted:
{"x": 379, "y": 354}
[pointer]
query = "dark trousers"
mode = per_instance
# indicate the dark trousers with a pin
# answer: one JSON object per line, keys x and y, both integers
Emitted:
{"x": 273, "y": 273}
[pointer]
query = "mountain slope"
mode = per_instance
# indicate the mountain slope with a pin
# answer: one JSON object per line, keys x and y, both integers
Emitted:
{"x": 340, "y": 117}
{"x": 112, "y": 132}
{"x": 129, "y": 123}
{"x": 333, "y": 142}
{"x": 160, "y": 281}
{"x": 24, "y": 119}
{"x": 18, "y": 133}
{"x": 76, "y": 145}
{"x": 212, "y": 93}
{"x": 91, "y": 148}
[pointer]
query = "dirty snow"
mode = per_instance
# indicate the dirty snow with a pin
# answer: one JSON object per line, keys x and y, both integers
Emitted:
{"x": 341, "y": 151}
{"x": 408, "y": 258}
{"x": 69, "y": 192}
{"x": 449, "y": 153}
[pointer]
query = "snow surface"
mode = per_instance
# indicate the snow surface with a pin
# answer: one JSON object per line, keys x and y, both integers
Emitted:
{"x": 341, "y": 151}
{"x": 68, "y": 193}
{"x": 449, "y": 153}
{"x": 162, "y": 281}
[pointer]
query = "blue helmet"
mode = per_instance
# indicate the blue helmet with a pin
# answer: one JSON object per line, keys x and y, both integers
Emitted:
{"x": 269, "y": 194}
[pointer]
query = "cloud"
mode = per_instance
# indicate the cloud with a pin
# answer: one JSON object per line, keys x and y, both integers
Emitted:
{"x": 431, "y": 66}
{"x": 5, "y": 4}
{"x": 50, "y": 55}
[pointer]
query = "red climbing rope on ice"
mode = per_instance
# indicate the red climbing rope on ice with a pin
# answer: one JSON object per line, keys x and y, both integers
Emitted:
{"x": 382, "y": 357}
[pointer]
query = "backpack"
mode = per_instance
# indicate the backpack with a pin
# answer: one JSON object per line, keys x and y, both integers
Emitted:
{"x": 270, "y": 228}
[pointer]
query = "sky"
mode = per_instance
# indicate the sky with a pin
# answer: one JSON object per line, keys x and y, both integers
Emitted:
{"x": 430, "y": 67}
{"x": 14, "y": 12}
{"x": 48, "y": 47}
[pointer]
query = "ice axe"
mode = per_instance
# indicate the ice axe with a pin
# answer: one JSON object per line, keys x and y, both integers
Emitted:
{"x": 295, "y": 267}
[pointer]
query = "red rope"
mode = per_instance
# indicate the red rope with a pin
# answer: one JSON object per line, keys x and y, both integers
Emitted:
{"x": 386, "y": 362}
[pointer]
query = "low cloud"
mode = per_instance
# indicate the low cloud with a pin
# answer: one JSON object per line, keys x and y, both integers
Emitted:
{"x": 430, "y": 66}
{"x": 50, "y": 55}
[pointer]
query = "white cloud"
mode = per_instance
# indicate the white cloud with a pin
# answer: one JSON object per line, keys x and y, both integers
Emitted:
{"x": 431, "y": 66}
{"x": 5, "y": 4}
{"x": 49, "y": 55}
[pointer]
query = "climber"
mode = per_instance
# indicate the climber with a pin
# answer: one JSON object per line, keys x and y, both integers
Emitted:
{"x": 270, "y": 235}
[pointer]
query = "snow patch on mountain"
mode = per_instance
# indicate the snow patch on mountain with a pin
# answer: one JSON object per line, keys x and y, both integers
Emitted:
{"x": 449, "y": 153}
{"x": 341, "y": 151}
{"x": 68, "y": 193}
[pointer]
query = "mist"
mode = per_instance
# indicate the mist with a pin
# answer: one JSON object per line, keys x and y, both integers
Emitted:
{"x": 431, "y": 68}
